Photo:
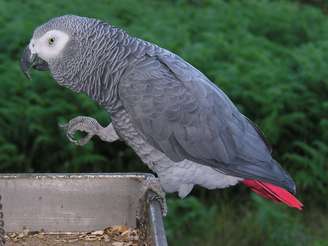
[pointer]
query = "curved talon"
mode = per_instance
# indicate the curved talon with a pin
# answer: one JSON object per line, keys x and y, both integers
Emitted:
{"x": 64, "y": 125}
{"x": 70, "y": 137}
{"x": 84, "y": 140}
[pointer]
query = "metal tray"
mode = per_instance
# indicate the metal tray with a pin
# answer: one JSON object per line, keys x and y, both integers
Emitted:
{"x": 80, "y": 203}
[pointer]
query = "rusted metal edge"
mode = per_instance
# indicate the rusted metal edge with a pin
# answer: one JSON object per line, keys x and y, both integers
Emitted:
{"x": 74, "y": 175}
{"x": 2, "y": 230}
{"x": 155, "y": 219}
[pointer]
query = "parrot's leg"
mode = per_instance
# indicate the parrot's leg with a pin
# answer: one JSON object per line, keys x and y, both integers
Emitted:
{"x": 91, "y": 127}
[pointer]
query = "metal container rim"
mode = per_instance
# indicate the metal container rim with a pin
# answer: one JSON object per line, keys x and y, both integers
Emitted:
{"x": 75, "y": 175}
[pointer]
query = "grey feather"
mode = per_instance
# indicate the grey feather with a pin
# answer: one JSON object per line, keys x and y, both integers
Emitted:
{"x": 184, "y": 115}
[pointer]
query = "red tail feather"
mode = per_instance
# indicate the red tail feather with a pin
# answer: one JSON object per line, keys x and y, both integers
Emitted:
{"x": 273, "y": 192}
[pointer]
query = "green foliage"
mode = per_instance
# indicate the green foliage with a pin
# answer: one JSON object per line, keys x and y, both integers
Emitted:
{"x": 280, "y": 226}
{"x": 313, "y": 167}
{"x": 270, "y": 57}
{"x": 180, "y": 221}
{"x": 191, "y": 222}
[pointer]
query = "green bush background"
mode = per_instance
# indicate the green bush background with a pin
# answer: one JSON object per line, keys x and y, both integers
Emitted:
{"x": 270, "y": 57}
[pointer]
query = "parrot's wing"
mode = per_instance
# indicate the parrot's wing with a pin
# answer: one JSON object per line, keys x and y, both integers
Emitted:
{"x": 181, "y": 113}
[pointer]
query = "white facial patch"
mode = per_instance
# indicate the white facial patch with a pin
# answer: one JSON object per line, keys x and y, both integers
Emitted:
{"x": 50, "y": 45}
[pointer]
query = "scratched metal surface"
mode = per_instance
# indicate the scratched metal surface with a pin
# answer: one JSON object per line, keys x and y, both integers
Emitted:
{"x": 2, "y": 231}
{"x": 70, "y": 202}
{"x": 156, "y": 225}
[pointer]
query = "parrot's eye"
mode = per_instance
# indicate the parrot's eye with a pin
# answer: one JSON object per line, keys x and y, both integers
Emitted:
{"x": 51, "y": 41}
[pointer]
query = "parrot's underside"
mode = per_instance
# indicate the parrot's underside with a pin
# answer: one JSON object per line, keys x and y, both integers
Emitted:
{"x": 178, "y": 122}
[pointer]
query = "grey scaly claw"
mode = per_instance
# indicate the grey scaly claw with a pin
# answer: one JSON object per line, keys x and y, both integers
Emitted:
{"x": 68, "y": 134}
{"x": 91, "y": 127}
{"x": 84, "y": 124}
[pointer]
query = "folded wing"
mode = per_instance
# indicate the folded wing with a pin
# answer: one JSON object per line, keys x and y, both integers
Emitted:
{"x": 184, "y": 115}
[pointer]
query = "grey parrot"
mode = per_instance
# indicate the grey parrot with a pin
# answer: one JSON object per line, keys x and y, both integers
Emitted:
{"x": 178, "y": 122}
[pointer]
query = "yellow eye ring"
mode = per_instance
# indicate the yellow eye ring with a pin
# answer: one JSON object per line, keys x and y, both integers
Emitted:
{"x": 51, "y": 41}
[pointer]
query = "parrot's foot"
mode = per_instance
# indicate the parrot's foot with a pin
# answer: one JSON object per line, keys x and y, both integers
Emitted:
{"x": 152, "y": 184}
{"x": 91, "y": 127}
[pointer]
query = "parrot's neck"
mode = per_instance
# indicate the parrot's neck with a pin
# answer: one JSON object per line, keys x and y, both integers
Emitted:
{"x": 109, "y": 63}
{"x": 99, "y": 71}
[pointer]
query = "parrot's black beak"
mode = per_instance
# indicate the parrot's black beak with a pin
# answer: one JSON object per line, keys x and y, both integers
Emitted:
{"x": 30, "y": 60}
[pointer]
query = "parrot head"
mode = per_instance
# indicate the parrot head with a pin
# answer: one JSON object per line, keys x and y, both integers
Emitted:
{"x": 72, "y": 48}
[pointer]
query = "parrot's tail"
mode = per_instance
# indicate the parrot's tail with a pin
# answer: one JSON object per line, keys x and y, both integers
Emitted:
{"x": 272, "y": 192}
